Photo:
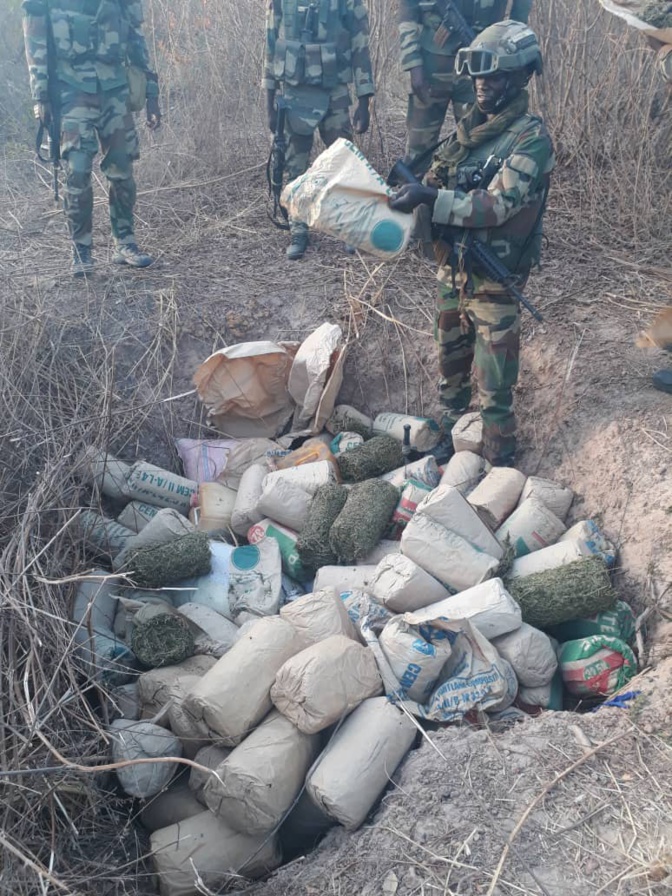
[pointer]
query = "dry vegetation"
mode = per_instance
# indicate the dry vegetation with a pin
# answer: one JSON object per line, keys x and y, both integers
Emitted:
{"x": 73, "y": 372}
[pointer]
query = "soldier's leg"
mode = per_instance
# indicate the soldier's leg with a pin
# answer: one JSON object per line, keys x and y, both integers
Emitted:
{"x": 496, "y": 362}
{"x": 336, "y": 123}
{"x": 79, "y": 117}
{"x": 454, "y": 335}
{"x": 297, "y": 157}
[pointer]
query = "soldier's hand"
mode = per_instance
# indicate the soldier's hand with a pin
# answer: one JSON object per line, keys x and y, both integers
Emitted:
{"x": 43, "y": 113}
{"x": 410, "y": 196}
{"x": 361, "y": 118}
{"x": 419, "y": 85}
{"x": 271, "y": 111}
{"x": 153, "y": 113}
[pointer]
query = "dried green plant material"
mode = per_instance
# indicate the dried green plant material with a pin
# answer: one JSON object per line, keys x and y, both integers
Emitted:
{"x": 161, "y": 637}
{"x": 165, "y": 564}
{"x": 313, "y": 545}
{"x": 363, "y": 520}
{"x": 377, "y": 456}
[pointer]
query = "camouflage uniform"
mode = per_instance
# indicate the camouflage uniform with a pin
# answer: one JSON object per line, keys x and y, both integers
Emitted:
{"x": 484, "y": 328}
{"x": 315, "y": 70}
{"x": 93, "y": 41}
{"x": 418, "y": 22}
{"x": 665, "y": 62}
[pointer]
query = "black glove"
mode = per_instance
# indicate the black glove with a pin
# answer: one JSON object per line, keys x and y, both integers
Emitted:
{"x": 361, "y": 118}
{"x": 271, "y": 111}
{"x": 410, "y": 196}
{"x": 419, "y": 85}
{"x": 153, "y": 113}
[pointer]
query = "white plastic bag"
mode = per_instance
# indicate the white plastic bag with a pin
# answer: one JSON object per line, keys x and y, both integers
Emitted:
{"x": 255, "y": 577}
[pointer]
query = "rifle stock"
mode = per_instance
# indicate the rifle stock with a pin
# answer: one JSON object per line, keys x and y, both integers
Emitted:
{"x": 275, "y": 167}
{"x": 53, "y": 126}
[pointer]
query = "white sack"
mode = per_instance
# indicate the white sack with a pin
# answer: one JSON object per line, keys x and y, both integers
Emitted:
{"x": 415, "y": 659}
{"x": 424, "y": 433}
{"x": 255, "y": 579}
{"x": 175, "y": 804}
{"x": 153, "y": 485}
{"x": 359, "y": 762}
{"x": 136, "y": 515}
{"x": 531, "y": 654}
{"x": 311, "y": 368}
{"x": 309, "y": 477}
{"x": 540, "y": 696}
{"x": 557, "y": 498}
{"x": 588, "y": 532}
{"x": 342, "y": 195}
{"x": 181, "y": 723}
{"x": 552, "y": 557}
{"x": 157, "y": 686}
{"x": 384, "y": 548}
{"x": 124, "y": 702}
{"x": 463, "y": 471}
{"x": 258, "y": 781}
{"x": 215, "y": 634}
{"x": 234, "y": 695}
{"x": 361, "y": 606}
{"x": 489, "y": 608}
{"x": 212, "y": 589}
{"x": 284, "y": 501}
{"x": 447, "y": 506}
{"x": 209, "y": 757}
{"x": 165, "y": 526}
{"x": 245, "y": 513}
{"x": 467, "y": 433}
{"x": 495, "y": 496}
{"x": 248, "y": 452}
{"x": 531, "y": 526}
{"x": 215, "y": 507}
{"x": 424, "y": 470}
{"x": 344, "y": 578}
{"x": 94, "y": 605}
{"x": 402, "y": 586}
{"x": 318, "y": 616}
{"x": 324, "y": 682}
{"x": 205, "y": 848}
{"x": 142, "y": 740}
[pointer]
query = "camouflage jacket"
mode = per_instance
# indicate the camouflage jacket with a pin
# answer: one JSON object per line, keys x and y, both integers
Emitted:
{"x": 419, "y": 20}
{"x": 507, "y": 216}
{"x": 318, "y": 43}
{"x": 93, "y": 40}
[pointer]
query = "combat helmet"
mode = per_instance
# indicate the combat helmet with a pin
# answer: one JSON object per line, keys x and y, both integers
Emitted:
{"x": 504, "y": 47}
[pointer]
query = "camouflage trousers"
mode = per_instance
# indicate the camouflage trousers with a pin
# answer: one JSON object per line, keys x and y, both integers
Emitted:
{"x": 335, "y": 124}
{"x": 425, "y": 120}
{"x": 485, "y": 334}
{"x": 90, "y": 121}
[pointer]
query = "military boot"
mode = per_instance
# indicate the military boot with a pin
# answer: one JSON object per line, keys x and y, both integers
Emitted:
{"x": 128, "y": 253}
{"x": 445, "y": 448}
{"x": 82, "y": 260}
{"x": 299, "y": 242}
{"x": 662, "y": 380}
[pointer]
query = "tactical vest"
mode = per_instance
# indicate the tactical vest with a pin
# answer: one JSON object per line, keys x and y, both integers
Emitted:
{"x": 517, "y": 242}
{"x": 95, "y": 30}
{"x": 477, "y": 13}
{"x": 313, "y": 46}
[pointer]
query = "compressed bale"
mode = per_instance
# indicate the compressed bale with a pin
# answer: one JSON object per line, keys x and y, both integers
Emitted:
{"x": 255, "y": 579}
{"x": 143, "y": 740}
{"x": 212, "y": 588}
{"x": 445, "y": 505}
{"x": 424, "y": 432}
{"x": 463, "y": 471}
{"x": 558, "y": 498}
{"x": 153, "y": 485}
{"x": 552, "y": 557}
{"x": 312, "y": 544}
{"x": 425, "y": 470}
{"x": 348, "y": 419}
{"x": 209, "y": 757}
{"x": 105, "y": 472}
{"x": 166, "y": 526}
{"x": 488, "y": 607}
{"x": 258, "y": 781}
{"x": 167, "y": 564}
{"x": 359, "y": 762}
{"x": 467, "y": 433}
{"x": 214, "y": 634}
{"x": 379, "y": 455}
{"x": 160, "y": 636}
{"x": 319, "y": 615}
{"x": 175, "y": 804}
{"x": 181, "y": 723}
{"x": 365, "y": 516}
{"x": 102, "y": 534}
{"x": 284, "y": 502}
{"x": 402, "y": 586}
{"x": 495, "y": 497}
{"x": 234, "y": 695}
{"x": 136, "y": 515}
{"x": 245, "y": 513}
{"x": 573, "y": 591}
{"x": 619, "y": 622}
{"x": 531, "y": 527}
{"x": 157, "y": 686}
{"x": 320, "y": 684}
{"x": 344, "y": 578}
{"x": 204, "y": 848}
{"x": 531, "y": 654}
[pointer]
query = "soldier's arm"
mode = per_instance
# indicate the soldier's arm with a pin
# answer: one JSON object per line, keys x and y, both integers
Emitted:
{"x": 410, "y": 28}
{"x": 137, "y": 51}
{"x": 273, "y": 17}
{"x": 510, "y": 191}
{"x": 520, "y": 10}
{"x": 359, "y": 44}
{"x": 35, "y": 38}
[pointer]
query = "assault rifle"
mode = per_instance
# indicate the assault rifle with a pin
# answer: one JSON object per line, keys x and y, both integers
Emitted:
{"x": 52, "y": 129}
{"x": 453, "y": 23}
{"x": 468, "y": 252}
{"x": 275, "y": 167}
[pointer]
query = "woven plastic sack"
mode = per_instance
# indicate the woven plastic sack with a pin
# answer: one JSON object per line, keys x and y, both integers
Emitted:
{"x": 596, "y": 666}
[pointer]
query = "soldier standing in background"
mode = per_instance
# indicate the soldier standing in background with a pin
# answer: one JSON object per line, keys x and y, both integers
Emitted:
{"x": 428, "y": 54}
{"x": 314, "y": 50}
{"x": 86, "y": 45}
{"x": 477, "y": 320}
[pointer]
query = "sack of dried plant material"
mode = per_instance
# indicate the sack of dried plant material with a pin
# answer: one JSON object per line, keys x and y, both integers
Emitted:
{"x": 284, "y": 502}
{"x": 344, "y": 578}
{"x": 531, "y": 654}
{"x": 318, "y": 616}
{"x": 597, "y": 666}
{"x": 385, "y": 548}
{"x": 102, "y": 534}
{"x": 143, "y": 740}
{"x": 447, "y": 506}
{"x": 258, "y": 781}
{"x": 255, "y": 576}
{"x": 573, "y": 591}
{"x": 319, "y": 685}
{"x": 552, "y": 557}
{"x": 463, "y": 471}
{"x": 424, "y": 432}
{"x": 312, "y": 544}
{"x": 531, "y": 527}
{"x": 365, "y": 516}
{"x": 618, "y": 622}
{"x": 424, "y": 470}
{"x": 309, "y": 477}
{"x": 287, "y": 541}
{"x": 245, "y": 512}
{"x": 415, "y": 657}
{"x": 348, "y": 419}
{"x": 209, "y": 758}
{"x": 547, "y": 696}
{"x": 171, "y": 806}
{"x": 203, "y": 851}
{"x": 359, "y": 762}
{"x": 155, "y": 485}
{"x": 211, "y": 589}
{"x": 379, "y": 455}
{"x": 123, "y": 701}
{"x": 166, "y": 526}
{"x": 345, "y": 441}
{"x": 167, "y": 564}
{"x": 467, "y": 433}
{"x": 362, "y": 606}
{"x": 495, "y": 497}
{"x": 488, "y": 607}
{"x": 161, "y": 637}
{"x": 181, "y": 723}
{"x": 204, "y": 459}
{"x": 247, "y": 453}
{"x": 214, "y": 634}
{"x": 157, "y": 686}
{"x": 107, "y": 474}
{"x": 556, "y": 497}
{"x": 234, "y": 696}
{"x": 136, "y": 515}
{"x": 412, "y": 493}
{"x": 402, "y": 586}
{"x": 588, "y": 532}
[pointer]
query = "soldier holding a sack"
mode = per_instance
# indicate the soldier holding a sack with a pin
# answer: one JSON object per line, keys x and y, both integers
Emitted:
{"x": 84, "y": 59}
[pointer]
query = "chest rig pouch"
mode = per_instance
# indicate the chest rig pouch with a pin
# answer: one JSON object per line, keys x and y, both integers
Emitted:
{"x": 308, "y": 51}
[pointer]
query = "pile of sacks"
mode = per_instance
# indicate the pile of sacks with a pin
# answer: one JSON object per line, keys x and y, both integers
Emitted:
{"x": 284, "y": 592}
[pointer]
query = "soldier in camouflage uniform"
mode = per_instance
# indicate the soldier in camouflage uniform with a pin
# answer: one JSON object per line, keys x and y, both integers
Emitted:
{"x": 90, "y": 43}
{"x": 478, "y": 322}
{"x": 314, "y": 50}
{"x": 428, "y": 54}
